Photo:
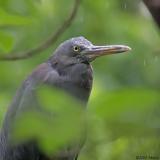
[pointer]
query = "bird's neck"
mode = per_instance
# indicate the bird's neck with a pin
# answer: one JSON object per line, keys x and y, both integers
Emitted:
{"x": 62, "y": 61}
{"x": 77, "y": 77}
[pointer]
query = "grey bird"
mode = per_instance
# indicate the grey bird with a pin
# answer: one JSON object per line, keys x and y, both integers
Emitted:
{"x": 68, "y": 69}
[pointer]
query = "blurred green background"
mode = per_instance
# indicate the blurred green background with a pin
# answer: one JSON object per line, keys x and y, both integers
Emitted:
{"x": 124, "y": 108}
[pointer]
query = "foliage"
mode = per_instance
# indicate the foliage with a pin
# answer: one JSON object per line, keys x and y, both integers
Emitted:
{"x": 123, "y": 112}
{"x": 51, "y": 126}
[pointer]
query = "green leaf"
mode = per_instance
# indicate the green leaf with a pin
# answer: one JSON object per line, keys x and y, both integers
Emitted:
{"x": 6, "y": 41}
{"x": 55, "y": 124}
{"x": 7, "y": 19}
{"x": 129, "y": 111}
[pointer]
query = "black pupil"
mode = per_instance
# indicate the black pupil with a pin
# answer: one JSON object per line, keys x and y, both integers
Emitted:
{"x": 76, "y": 48}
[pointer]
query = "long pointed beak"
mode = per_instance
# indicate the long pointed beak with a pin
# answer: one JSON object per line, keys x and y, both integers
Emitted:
{"x": 97, "y": 51}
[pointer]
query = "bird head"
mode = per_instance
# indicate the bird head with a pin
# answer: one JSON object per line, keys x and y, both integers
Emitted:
{"x": 79, "y": 49}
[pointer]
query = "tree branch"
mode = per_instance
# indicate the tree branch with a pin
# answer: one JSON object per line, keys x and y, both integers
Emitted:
{"x": 154, "y": 8}
{"x": 50, "y": 41}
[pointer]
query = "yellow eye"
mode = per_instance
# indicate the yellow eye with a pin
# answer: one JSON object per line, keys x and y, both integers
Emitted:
{"x": 76, "y": 48}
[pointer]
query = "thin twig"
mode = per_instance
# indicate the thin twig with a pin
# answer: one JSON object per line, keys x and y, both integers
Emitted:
{"x": 50, "y": 41}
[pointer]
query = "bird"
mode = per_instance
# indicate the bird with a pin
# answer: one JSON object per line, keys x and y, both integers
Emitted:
{"x": 69, "y": 69}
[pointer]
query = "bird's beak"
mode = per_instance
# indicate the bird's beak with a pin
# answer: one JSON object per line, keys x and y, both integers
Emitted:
{"x": 97, "y": 51}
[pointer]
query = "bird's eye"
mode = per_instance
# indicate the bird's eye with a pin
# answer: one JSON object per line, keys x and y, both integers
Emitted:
{"x": 76, "y": 48}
